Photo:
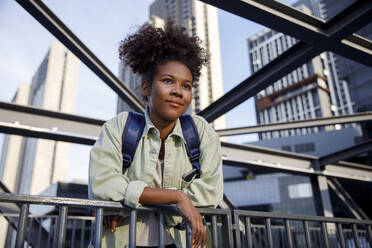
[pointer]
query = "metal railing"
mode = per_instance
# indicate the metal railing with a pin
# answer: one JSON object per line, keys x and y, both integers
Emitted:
{"x": 228, "y": 228}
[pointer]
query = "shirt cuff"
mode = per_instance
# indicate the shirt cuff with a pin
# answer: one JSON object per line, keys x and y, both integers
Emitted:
{"x": 133, "y": 193}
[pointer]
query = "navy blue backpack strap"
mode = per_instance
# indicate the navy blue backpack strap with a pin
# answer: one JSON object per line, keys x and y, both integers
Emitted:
{"x": 131, "y": 136}
{"x": 190, "y": 134}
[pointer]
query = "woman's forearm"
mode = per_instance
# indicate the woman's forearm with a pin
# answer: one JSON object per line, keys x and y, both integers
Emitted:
{"x": 160, "y": 196}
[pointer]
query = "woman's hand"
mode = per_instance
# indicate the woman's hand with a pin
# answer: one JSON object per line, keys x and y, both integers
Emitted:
{"x": 188, "y": 211}
{"x": 112, "y": 221}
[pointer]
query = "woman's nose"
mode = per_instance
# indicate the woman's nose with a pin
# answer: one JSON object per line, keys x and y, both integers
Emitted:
{"x": 177, "y": 89}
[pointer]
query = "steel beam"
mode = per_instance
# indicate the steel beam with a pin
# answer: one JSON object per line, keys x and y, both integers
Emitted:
{"x": 346, "y": 153}
{"x": 351, "y": 21}
{"x": 260, "y": 159}
{"x": 22, "y": 118}
{"x": 325, "y": 121}
{"x": 56, "y": 27}
{"x": 321, "y": 197}
{"x": 38, "y": 123}
{"x": 43, "y": 133}
{"x": 307, "y": 28}
{"x": 346, "y": 199}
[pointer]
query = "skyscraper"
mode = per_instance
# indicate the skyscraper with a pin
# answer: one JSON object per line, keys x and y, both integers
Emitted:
{"x": 29, "y": 165}
{"x": 312, "y": 90}
{"x": 201, "y": 20}
{"x": 357, "y": 76}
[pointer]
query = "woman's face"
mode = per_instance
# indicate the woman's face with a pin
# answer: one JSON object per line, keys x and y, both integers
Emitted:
{"x": 170, "y": 93}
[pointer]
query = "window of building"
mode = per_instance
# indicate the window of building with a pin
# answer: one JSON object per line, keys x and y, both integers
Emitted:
{"x": 287, "y": 148}
{"x": 301, "y": 190}
{"x": 305, "y": 147}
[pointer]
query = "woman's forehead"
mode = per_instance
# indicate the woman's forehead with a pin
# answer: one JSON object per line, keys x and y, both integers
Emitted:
{"x": 174, "y": 69}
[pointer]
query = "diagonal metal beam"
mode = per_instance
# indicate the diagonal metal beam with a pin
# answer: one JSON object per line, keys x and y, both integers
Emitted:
{"x": 346, "y": 199}
{"x": 293, "y": 57}
{"x": 55, "y": 26}
{"x": 297, "y": 55}
{"x": 346, "y": 153}
{"x": 296, "y": 23}
{"x": 358, "y": 117}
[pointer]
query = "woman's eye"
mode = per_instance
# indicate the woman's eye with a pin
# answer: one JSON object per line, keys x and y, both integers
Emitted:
{"x": 186, "y": 86}
{"x": 167, "y": 80}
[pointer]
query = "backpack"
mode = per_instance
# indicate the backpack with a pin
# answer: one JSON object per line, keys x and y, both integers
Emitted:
{"x": 132, "y": 134}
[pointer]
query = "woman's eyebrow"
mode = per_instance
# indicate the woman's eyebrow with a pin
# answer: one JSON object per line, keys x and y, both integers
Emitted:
{"x": 169, "y": 75}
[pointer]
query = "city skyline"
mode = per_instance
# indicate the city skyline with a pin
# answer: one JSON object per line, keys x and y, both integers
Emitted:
{"x": 23, "y": 57}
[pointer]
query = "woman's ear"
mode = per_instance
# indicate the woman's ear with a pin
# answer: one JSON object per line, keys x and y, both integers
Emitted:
{"x": 146, "y": 88}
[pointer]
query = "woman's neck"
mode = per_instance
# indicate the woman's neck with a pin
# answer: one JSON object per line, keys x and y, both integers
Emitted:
{"x": 164, "y": 127}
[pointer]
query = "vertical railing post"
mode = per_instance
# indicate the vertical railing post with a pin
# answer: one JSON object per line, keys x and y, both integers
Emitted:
{"x": 98, "y": 228}
{"x": 214, "y": 232}
{"x": 22, "y": 223}
{"x": 188, "y": 236}
{"x": 82, "y": 234}
{"x": 132, "y": 228}
{"x": 73, "y": 236}
{"x": 248, "y": 232}
{"x": 325, "y": 234}
{"x": 356, "y": 237}
{"x": 269, "y": 234}
{"x": 341, "y": 235}
{"x": 228, "y": 229}
{"x": 307, "y": 233}
{"x": 369, "y": 233}
{"x": 289, "y": 233}
{"x": 237, "y": 230}
{"x": 62, "y": 221}
{"x": 161, "y": 229}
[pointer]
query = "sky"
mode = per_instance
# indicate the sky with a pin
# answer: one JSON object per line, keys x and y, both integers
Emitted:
{"x": 24, "y": 43}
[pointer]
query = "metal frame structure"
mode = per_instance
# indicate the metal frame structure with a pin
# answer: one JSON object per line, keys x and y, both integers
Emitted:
{"x": 314, "y": 35}
{"x": 317, "y": 122}
{"x": 34, "y": 122}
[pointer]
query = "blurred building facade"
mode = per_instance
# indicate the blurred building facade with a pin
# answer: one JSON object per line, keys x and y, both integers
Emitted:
{"x": 30, "y": 165}
{"x": 200, "y": 20}
{"x": 311, "y": 91}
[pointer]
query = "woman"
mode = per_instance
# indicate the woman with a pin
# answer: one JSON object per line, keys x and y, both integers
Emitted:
{"x": 170, "y": 62}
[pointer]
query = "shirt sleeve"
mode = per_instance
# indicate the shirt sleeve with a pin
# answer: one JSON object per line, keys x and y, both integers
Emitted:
{"x": 106, "y": 181}
{"x": 207, "y": 191}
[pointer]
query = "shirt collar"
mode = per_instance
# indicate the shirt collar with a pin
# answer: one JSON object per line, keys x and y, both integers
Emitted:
{"x": 150, "y": 127}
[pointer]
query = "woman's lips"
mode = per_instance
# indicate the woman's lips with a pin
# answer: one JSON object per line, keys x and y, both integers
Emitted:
{"x": 174, "y": 104}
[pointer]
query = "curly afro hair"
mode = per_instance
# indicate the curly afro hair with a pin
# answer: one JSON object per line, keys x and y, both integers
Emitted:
{"x": 149, "y": 47}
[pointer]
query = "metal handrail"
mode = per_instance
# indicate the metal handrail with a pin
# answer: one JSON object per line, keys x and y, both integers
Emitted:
{"x": 231, "y": 222}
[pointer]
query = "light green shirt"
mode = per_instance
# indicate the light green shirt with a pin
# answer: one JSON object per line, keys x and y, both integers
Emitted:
{"x": 106, "y": 181}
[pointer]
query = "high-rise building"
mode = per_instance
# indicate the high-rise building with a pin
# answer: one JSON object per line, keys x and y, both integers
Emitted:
{"x": 201, "y": 20}
{"x": 312, "y": 90}
{"x": 357, "y": 76}
{"x": 30, "y": 165}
